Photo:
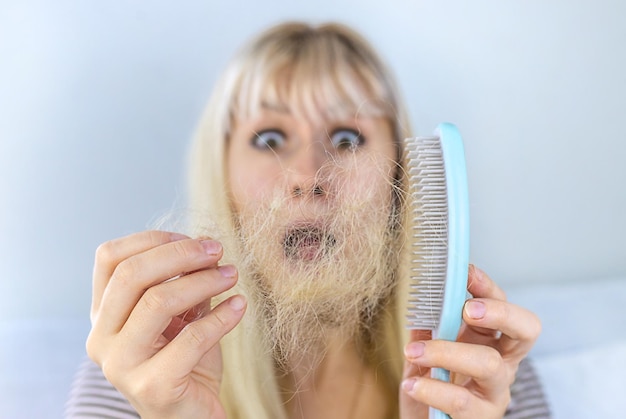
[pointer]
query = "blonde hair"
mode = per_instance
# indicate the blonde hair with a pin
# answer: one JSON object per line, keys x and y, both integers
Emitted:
{"x": 306, "y": 67}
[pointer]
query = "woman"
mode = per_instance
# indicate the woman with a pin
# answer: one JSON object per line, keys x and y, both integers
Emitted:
{"x": 290, "y": 300}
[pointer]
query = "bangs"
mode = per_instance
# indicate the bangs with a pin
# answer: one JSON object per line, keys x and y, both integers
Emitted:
{"x": 316, "y": 75}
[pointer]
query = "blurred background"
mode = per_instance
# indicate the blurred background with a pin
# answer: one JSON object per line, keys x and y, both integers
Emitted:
{"x": 98, "y": 101}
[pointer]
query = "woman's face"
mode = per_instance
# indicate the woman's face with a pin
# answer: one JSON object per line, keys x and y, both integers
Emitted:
{"x": 313, "y": 201}
{"x": 277, "y": 152}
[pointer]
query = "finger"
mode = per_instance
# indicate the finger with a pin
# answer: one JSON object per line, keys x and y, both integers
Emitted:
{"x": 482, "y": 363}
{"x": 520, "y": 327}
{"x": 180, "y": 321}
{"x": 457, "y": 401}
{"x": 479, "y": 284}
{"x": 111, "y": 253}
{"x": 416, "y": 335}
{"x": 479, "y": 336}
{"x": 136, "y": 274}
{"x": 154, "y": 312}
{"x": 188, "y": 348}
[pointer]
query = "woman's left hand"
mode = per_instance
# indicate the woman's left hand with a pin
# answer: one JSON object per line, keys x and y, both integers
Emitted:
{"x": 495, "y": 336}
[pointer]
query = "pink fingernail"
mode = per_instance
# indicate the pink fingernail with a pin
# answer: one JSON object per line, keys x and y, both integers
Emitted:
{"x": 475, "y": 309}
{"x": 227, "y": 271}
{"x": 211, "y": 247}
{"x": 408, "y": 384}
{"x": 478, "y": 274}
{"x": 414, "y": 349}
{"x": 237, "y": 303}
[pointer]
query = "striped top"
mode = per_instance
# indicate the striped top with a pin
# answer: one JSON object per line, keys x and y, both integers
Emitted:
{"x": 92, "y": 396}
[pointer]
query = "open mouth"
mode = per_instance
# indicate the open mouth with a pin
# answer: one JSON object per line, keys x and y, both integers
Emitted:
{"x": 307, "y": 242}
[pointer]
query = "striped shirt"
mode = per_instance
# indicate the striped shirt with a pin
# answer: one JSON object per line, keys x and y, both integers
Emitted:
{"x": 92, "y": 396}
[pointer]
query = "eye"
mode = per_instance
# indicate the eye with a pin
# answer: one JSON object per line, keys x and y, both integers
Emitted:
{"x": 346, "y": 138}
{"x": 271, "y": 139}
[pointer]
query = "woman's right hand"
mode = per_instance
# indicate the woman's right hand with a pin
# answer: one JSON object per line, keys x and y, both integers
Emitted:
{"x": 163, "y": 363}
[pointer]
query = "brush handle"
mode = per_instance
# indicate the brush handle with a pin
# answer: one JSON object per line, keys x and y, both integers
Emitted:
{"x": 455, "y": 290}
{"x": 458, "y": 244}
{"x": 443, "y": 375}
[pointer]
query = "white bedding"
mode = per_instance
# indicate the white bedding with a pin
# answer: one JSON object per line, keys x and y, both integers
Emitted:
{"x": 588, "y": 383}
{"x": 581, "y": 353}
{"x": 580, "y": 356}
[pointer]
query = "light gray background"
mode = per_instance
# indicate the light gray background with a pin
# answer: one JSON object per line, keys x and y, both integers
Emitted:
{"x": 98, "y": 101}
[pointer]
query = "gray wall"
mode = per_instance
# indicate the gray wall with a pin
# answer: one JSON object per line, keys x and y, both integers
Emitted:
{"x": 98, "y": 100}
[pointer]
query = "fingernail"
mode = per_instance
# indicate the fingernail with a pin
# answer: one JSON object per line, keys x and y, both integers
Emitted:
{"x": 414, "y": 349}
{"x": 478, "y": 274}
{"x": 475, "y": 309}
{"x": 237, "y": 303}
{"x": 211, "y": 247}
{"x": 408, "y": 384}
{"x": 227, "y": 271}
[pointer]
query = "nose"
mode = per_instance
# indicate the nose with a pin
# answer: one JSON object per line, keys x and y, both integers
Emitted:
{"x": 305, "y": 175}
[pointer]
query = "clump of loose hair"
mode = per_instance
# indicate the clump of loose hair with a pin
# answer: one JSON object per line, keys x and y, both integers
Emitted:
{"x": 326, "y": 274}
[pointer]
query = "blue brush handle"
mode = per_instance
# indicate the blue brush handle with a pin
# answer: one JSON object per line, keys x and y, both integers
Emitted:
{"x": 443, "y": 375}
{"x": 458, "y": 243}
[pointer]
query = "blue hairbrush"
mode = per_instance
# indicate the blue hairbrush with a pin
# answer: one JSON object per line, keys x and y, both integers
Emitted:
{"x": 439, "y": 236}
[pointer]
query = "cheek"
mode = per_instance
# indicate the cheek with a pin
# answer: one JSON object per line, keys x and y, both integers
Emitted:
{"x": 244, "y": 186}
{"x": 370, "y": 180}
{"x": 238, "y": 179}
{"x": 248, "y": 183}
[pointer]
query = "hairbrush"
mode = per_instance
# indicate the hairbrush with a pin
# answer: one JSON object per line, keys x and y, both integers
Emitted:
{"x": 439, "y": 236}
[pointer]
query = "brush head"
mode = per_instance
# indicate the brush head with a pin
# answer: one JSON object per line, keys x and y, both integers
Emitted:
{"x": 439, "y": 231}
{"x": 428, "y": 235}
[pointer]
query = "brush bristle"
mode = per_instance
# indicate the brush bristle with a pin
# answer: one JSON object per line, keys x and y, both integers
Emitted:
{"x": 428, "y": 231}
